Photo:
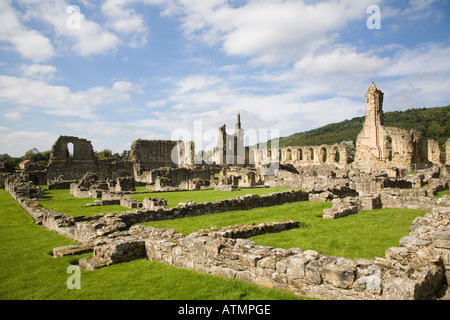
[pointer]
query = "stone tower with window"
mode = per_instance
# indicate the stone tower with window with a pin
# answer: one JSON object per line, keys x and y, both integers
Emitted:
{"x": 380, "y": 147}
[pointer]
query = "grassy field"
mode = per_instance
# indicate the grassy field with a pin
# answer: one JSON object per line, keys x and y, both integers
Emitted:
{"x": 28, "y": 271}
{"x": 365, "y": 235}
{"x": 174, "y": 198}
{"x": 62, "y": 201}
{"x": 441, "y": 194}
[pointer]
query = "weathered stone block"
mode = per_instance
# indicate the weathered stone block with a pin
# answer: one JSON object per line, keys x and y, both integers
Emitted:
{"x": 213, "y": 247}
{"x": 295, "y": 266}
{"x": 71, "y": 250}
{"x": 249, "y": 259}
{"x": 340, "y": 273}
{"x": 268, "y": 263}
{"x": 312, "y": 272}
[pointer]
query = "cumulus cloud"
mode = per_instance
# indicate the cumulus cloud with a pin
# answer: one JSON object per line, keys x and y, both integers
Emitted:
{"x": 13, "y": 116}
{"x": 125, "y": 21}
{"x": 342, "y": 60}
{"x": 90, "y": 38}
{"x": 266, "y": 31}
{"x": 60, "y": 100}
{"x": 16, "y": 143}
{"x": 38, "y": 71}
{"x": 30, "y": 44}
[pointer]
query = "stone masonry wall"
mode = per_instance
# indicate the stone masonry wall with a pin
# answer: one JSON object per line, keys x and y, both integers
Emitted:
{"x": 415, "y": 270}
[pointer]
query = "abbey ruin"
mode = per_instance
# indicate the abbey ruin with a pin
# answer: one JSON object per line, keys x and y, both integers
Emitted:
{"x": 392, "y": 168}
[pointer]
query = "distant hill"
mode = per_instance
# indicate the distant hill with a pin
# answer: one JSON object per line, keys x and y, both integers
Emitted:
{"x": 433, "y": 122}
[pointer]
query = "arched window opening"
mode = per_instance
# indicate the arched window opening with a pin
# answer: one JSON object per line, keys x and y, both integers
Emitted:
{"x": 323, "y": 154}
{"x": 389, "y": 148}
{"x": 311, "y": 154}
{"x": 337, "y": 155}
{"x": 70, "y": 151}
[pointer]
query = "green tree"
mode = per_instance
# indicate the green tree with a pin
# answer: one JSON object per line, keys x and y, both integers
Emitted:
{"x": 4, "y": 157}
{"x": 11, "y": 164}
{"x": 103, "y": 154}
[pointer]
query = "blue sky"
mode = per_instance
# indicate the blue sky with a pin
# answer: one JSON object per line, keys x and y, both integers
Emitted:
{"x": 119, "y": 70}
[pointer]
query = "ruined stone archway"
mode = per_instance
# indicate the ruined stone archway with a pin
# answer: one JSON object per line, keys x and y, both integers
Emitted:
{"x": 81, "y": 149}
{"x": 311, "y": 154}
{"x": 289, "y": 154}
{"x": 388, "y": 145}
{"x": 299, "y": 154}
{"x": 323, "y": 155}
{"x": 335, "y": 155}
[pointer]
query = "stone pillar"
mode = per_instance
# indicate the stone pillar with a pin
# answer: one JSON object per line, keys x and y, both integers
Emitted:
{"x": 447, "y": 152}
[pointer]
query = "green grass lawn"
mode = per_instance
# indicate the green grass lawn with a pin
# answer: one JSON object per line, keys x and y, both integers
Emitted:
{"x": 62, "y": 201}
{"x": 174, "y": 198}
{"x": 442, "y": 193}
{"x": 365, "y": 235}
{"x": 28, "y": 271}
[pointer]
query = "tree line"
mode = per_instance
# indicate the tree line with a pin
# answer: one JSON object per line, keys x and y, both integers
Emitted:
{"x": 433, "y": 122}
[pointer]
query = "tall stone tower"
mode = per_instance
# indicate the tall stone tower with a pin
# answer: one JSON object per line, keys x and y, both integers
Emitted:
{"x": 374, "y": 106}
{"x": 379, "y": 147}
{"x": 239, "y": 149}
{"x": 230, "y": 148}
{"x": 374, "y": 119}
{"x": 238, "y": 122}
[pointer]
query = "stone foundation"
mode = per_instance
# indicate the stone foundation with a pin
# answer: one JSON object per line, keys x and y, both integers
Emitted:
{"x": 416, "y": 270}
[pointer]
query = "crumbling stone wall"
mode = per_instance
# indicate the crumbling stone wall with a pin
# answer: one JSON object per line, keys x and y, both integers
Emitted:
{"x": 82, "y": 149}
{"x": 447, "y": 152}
{"x": 153, "y": 154}
{"x": 415, "y": 270}
{"x": 21, "y": 185}
{"x": 314, "y": 155}
{"x": 239, "y": 177}
{"x": 380, "y": 147}
{"x": 194, "y": 209}
{"x": 64, "y": 167}
{"x": 230, "y": 149}
{"x": 434, "y": 152}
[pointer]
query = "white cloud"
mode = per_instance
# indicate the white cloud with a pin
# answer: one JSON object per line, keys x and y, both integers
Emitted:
{"x": 267, "y": 31}
{"x": 156, "y": 104}
{"x": 342, "y": 60}
{"x": 196, "y": 83}
{"x": 13, "y": 116}
{"x": 425, "y": 58}
{"x": 90, "y": 38}
{"x": 16, "y": 143}
{"x": 100, "y": 128}
{"x": 30, "y": 44}
{"x": 60, "y": 100}
{"x": 126, "y": 21}
{"x": 38, "y": 71}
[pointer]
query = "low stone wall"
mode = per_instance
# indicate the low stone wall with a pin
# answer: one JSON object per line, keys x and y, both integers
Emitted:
{"x": 409, "y": 199}
{"x": 194, "y": 209}
{"x": 416, "y": 270}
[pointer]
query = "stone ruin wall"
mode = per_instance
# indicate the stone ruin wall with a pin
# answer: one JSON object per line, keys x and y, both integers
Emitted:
{"x": 415, "y": 270}
{"x": 335, "y": 154}
{"x": 62, "y": 166}
{"x": 153, "y": 154}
